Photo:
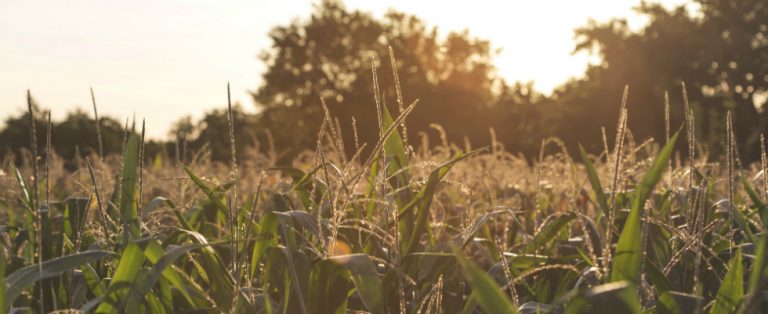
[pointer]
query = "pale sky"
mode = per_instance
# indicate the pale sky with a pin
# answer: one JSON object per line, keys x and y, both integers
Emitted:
{"x": 161, "y": 60}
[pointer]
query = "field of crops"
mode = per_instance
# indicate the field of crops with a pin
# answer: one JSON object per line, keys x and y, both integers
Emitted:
{"x": 452, "y": 229}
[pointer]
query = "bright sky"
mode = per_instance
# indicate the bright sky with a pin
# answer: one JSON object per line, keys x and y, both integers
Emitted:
{"x": 161, "y": 60}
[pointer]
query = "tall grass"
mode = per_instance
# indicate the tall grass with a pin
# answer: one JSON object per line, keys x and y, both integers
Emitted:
{"x": 447, "y": 229}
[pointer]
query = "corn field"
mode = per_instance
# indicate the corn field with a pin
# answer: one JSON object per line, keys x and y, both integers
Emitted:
{"x": 441, "y": 228}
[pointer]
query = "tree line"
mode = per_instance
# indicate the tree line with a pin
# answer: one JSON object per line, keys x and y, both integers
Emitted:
{"x": 324, "y": 61}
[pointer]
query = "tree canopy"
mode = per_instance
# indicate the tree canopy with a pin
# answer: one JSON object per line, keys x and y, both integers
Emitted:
{"x": 331, "y": 55}
{"x": 720, "y": 53}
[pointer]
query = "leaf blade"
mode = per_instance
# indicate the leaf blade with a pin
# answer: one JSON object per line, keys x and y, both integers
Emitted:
{"x": 628, "y": 257}
{"x": 487, "y": 293}
{"x": 28, "y": 275}
{"x": 731, "y": 290}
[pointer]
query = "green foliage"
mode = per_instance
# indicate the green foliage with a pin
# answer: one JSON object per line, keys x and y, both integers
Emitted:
{"x": 421, "y": 202}
{"x": 451, "y": 73}
{"x": 22, "y": 278}
{"x": 327, "y": 284}
{"x": 731, "y": 291}
{"x": 76, "y": 132}
{"x": 549, "y": 232}
{"x": 314, "y": 242}
{"x": 489, "y": 295}
{"x": 594, "y": 180}
{"x": 711, "y": 49}
{"x": 366, "y": 279}
{"x": 629, "y": 250}
{"x": 117, "y": 296}
{"x": 129, "y": 181}
{"x": 618, "y": 297}
{"x": 3, "y": 298}
{"x": 405, "y": 230}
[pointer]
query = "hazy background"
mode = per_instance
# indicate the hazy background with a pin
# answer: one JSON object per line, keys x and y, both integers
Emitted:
{"x": 162, "y": 60}
{"x": 514, "y": 72}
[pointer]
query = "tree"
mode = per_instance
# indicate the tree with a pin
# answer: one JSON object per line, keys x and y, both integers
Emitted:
{"x": 76, "y": 132}
{"x": 212, "y": 133}
{"x": 78, "y": 129}
{"x": 721, "y": 54}
{"x": 330, "y": 55}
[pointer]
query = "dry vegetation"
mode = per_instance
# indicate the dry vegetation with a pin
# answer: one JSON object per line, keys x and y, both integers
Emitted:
{"x": 444, "y": 230}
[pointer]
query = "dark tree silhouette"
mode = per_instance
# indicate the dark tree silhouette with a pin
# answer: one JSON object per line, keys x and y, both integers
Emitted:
{"x": 213, "y": 131}
{"x": 76, "y": 131}
{"x": 721, "y": 54}
{"x": 330, "y": 56}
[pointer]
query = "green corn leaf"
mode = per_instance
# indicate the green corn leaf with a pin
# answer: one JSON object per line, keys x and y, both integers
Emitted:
{"x": 92, "y": 280}
{"x": 671, "y": 302}
{"x": 626, "y": 262}
{"x": 91, "y": 304}
{"x": 289, "y": 271}
{"x": 422, "y": 201}
{"x": 329, "y": 286}
{"x": 365, "y": 278}
{"x": 471, "y": 305}
{"x": 743, "y": 222}
{"x": 479, "y": 222}
{"x": 397, "y": 173}
{"x": 3, "y": 302}
{"x": 614, "y": 297}
{"x": 128, "y": 188}
{"x": 75, "y": 216}
{"x": 397, "y": 160}
{"x": 221, "y": 281}
{"x": 370, "y": 191}
{"x": 731, "y": 291}
{"x": 549, "y": 232}
{"x": 22, "y": 278}
{"x": 26, "y": 196}
{"x": 487, "y": 293}
{"x": 594, "y": 180}
{"x": 152, "y": 304}
{"x": 306, "y": 220}
{"x": 212, "y": 195}
{"x": 302, "y": 182}
{"x": 162, "y": 260}
{"x": 762, "y": 210}
{"x": 126, "y": 273}
{"x": 265, "y": 238}
{"x": 757, "y": 277}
